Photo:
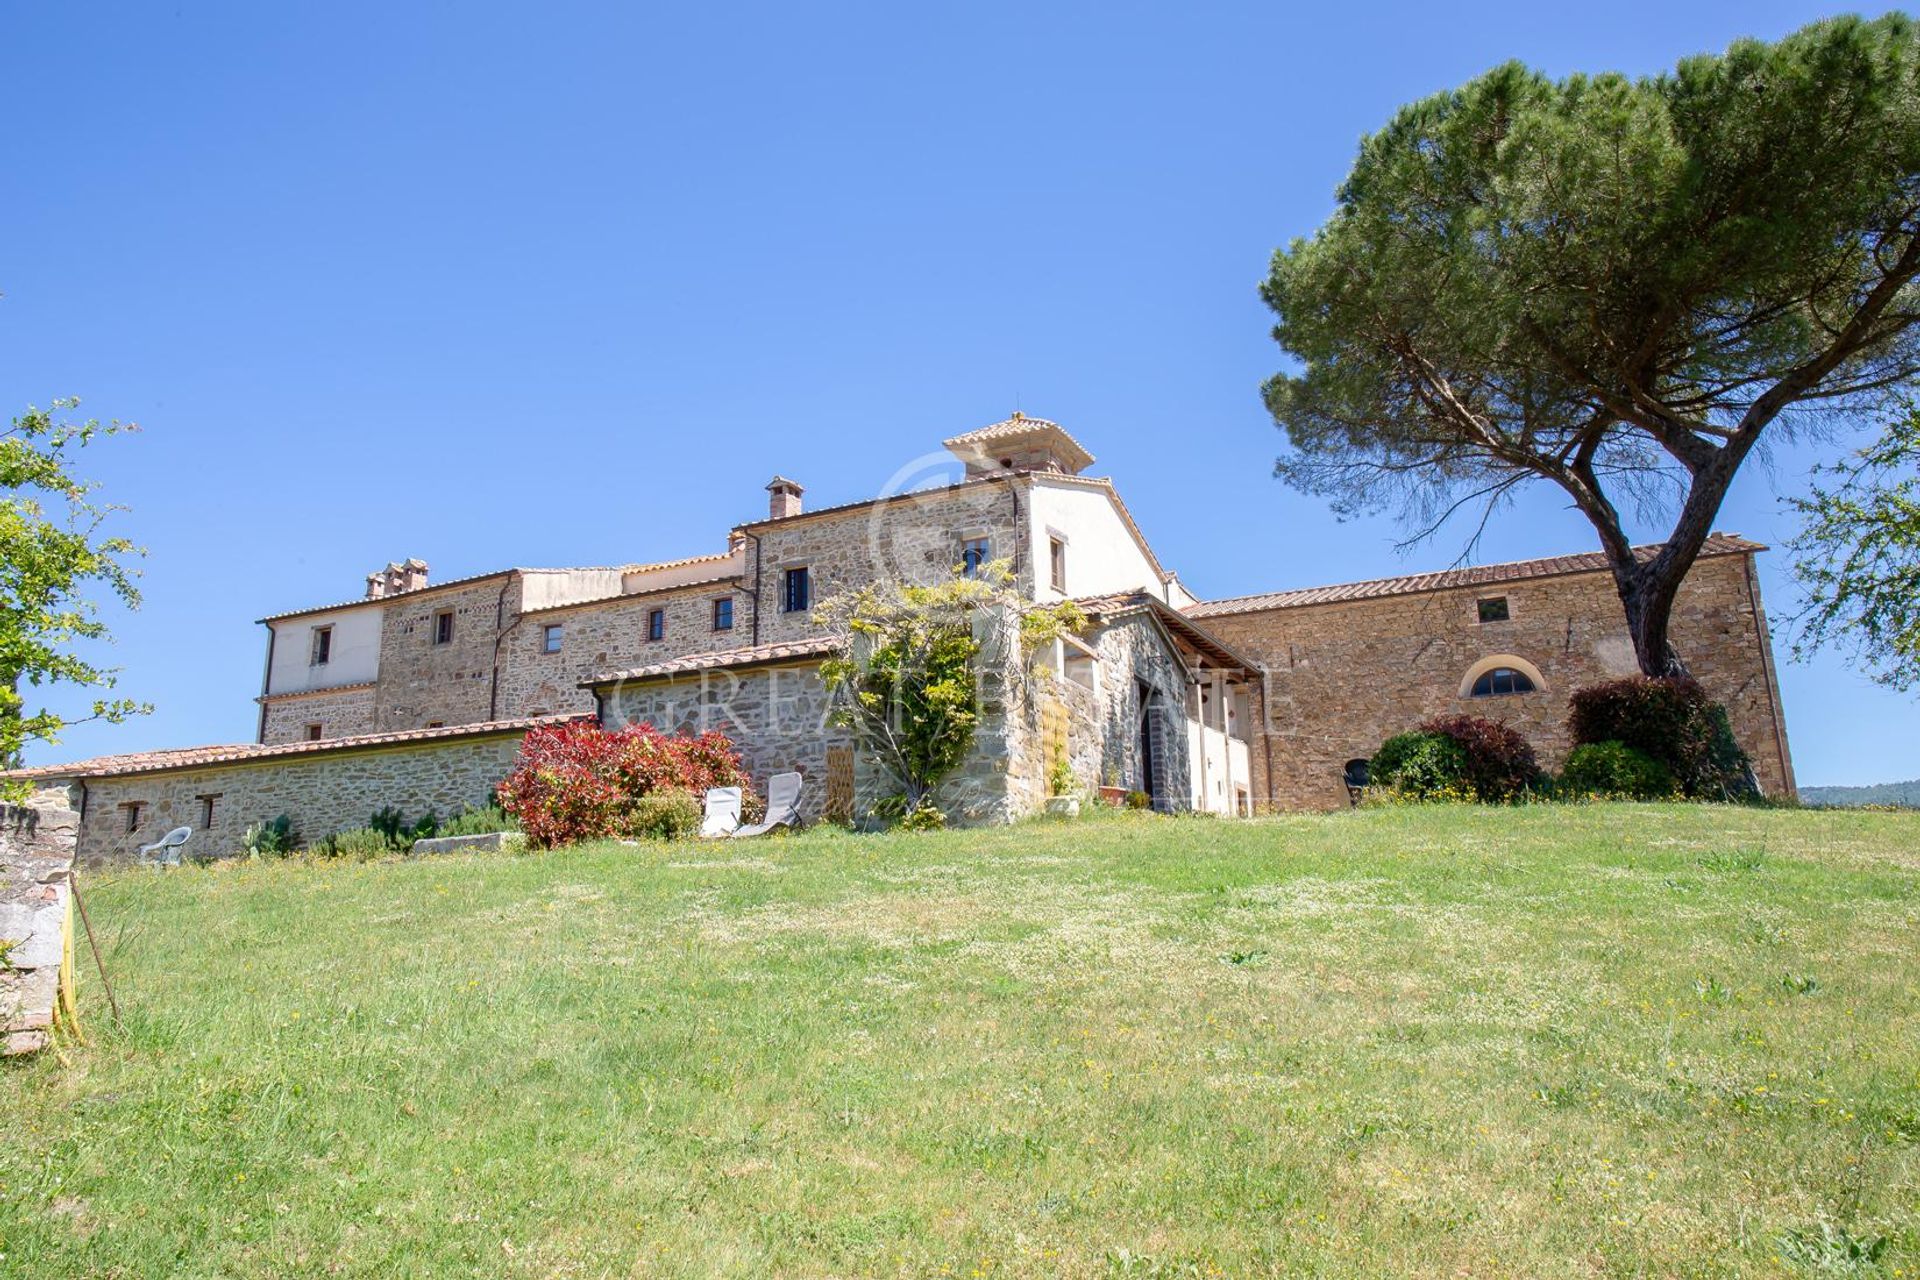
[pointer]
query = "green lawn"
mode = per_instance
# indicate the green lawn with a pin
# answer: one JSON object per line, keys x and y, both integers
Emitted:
{"x": 1632, "y": 1040}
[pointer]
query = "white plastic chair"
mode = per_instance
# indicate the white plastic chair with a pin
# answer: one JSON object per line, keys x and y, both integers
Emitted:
{"x": 783, "y": 806}
{"x": 723, "y": 813}
{"x": 165, "y": 852}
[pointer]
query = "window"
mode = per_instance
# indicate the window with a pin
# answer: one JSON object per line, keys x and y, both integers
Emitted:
{"x": 723, "y": 614}
{"x": 797, "y": 596}
{"x": 322, "y": 646}
{"x": 443, "y": 627}
{"x": 974, "y": 554}
{"x": 313, "y": 731}
{"x": 206, "y": 810}
{"x": 1493, "y": 609}
{"x": 1501, "y": 681}
{"x": 132, "y": 809}
{"x": 551, "y": 637}
{"x": 441, "y": 724}
{"x": 656, "y": 624}
{"x": 1057, "y": 560}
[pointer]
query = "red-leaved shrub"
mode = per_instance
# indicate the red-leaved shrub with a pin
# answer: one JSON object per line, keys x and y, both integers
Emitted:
{"x": 1500, "y": 763}
{"x": 577, "y": 781}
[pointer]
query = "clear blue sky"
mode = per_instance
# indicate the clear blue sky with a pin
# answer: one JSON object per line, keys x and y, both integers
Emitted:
{"x": 558, "y": 284}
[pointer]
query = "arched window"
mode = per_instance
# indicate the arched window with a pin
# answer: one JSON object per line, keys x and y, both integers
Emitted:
{"x": 1500, "y": 680}
{"x": 1500, "y": 674}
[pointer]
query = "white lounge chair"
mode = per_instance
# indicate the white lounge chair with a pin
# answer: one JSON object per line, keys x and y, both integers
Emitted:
{"x": 783, "y": 806}
{"x": 723, "y": 813}
{"x": 165, "y": 852}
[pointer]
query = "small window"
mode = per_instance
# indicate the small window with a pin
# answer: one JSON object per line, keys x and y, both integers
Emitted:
{"x": 322, "y": 645}
{"x": 1057, "y": 561}
{"x": 1501, "y": 681}
{"x": 314, "y": 731}
{"x": 656, "y": 624}
{"x": 974, "y": 554}
{"x": 441, "y": 724}
{"x": 132, "y": 809}
{"x": 798, "y": 594}
{"x": 443, "y": 627}
{"x": 723, "y": 614}
{"x": 551, "y": 637}
{"x": 1493, "y": 609}
{"x": 206, "y": 810}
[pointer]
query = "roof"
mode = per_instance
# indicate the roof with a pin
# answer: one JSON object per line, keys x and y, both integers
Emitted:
{"x": 1017, "y": 428}
{"x": 1718, "y": 544}
{"x": 470, "y": 579}
{"x": 355, "y": 687}
{"x": 720, "y": 659}
{"x": 380, "y": 600}
{"x": 1106, "y": 485}
{"x": 248, "y": 752}
{"x": 1119, "y": 604}
{"x": 909, "y": 495}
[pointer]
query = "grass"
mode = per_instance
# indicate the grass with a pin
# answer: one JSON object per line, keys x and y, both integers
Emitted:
{"x": 1632, "y": 1040}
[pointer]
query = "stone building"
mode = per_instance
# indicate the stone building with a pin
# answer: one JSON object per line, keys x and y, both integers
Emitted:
{"x": 1231, "y": 706}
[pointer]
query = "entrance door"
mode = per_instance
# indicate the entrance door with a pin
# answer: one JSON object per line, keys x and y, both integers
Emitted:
{"x": 1149, "y": 766}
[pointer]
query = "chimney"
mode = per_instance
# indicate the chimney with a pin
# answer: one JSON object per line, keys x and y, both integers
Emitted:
{"x": 785, "y": 500}
{"x": 397, "y": 578}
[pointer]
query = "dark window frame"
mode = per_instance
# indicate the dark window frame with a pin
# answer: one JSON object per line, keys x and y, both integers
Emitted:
{"x": 656, "y": 625}
{"x": 1493, "y": 609}
{"x": 132, "y": 809}
{"x": 723, "y": 613}
{"x": 320, "y": 650}
{"x": 796, "y": 589}
{"x": 1501, "y": 682}
{"x": 552, "y": 636}
{"x": 207, "y": 803}
{"x": 1057, "y": 562}
{"x": 443, "y": 626}
{"x": 975, "y": 553}
{"x": 316, "y": 731}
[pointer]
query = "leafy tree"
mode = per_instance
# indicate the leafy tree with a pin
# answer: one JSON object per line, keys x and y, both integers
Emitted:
{"x": 52, "y": 553}
{"x": 1858, "y": 555}
{"x": 907, "y": 666}
{"x": 1618, "y": 286}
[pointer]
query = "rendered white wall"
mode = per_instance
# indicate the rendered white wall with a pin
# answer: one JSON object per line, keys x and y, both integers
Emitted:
{"x": 355, "y": 657}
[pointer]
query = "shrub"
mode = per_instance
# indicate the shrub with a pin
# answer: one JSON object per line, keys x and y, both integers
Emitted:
{"x": 578, "y": 781}
{"x": 270, "y": 839}
{"x": 400, "y": 834}
{"x": 1672, "y": 720}
{"x": 924, "y": 817}
{"x": 1617, "y": 771}
{"x": 667, "y": 814}
{"x": 360, "y": 842}
{"x": 1421, "y": 765}
{"x": 479, "y": 822}
{"x": 1500, "y": 765}
{"x": 1139, "y": 800}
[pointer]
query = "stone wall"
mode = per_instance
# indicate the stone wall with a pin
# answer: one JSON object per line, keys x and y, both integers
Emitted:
{"x": 776, "y": 716}
{"x": 323, "y": 793}
{"x": 1343, "y": 677}
{"x": 916, "y": 538}
{"x": 36, "y": 851}
{"x": 339, "y": 715}
{"x": 422, "y": 683}
{"x": 608, "y": 635}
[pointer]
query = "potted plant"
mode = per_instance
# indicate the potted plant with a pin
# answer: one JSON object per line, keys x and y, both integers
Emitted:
{"x": 1062, "y": 803}
{"x": 1111, "y": 792}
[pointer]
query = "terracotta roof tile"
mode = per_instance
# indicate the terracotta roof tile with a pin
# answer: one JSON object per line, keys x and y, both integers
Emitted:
{"x": 247, "y": 752}
{"x": 1020, "y": 427}
{"x": 314, "y": 693}
{"x": 1116, "y": 604}
{"x": 1718, "y": 544}
{"x": 719, "y": 659}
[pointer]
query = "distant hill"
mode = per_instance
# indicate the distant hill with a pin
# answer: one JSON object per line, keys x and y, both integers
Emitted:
{"x": 1902, "y": 793}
